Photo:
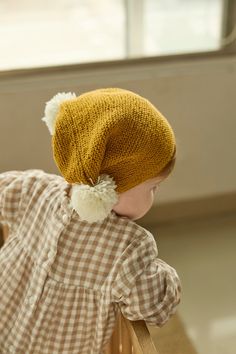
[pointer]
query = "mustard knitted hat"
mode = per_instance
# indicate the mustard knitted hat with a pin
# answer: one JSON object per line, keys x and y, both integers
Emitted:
{"x": 105, "y": 142}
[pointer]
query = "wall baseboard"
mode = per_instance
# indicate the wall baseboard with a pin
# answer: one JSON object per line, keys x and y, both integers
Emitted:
{"x": 190, "y": 209}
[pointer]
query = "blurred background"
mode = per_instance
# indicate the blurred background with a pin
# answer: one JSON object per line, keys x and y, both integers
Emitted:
{"x": 181, "y": 55}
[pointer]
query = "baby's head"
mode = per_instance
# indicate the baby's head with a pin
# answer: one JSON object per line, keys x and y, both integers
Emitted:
{"x": 137, "y": 201}
{"x": 111, "y": 145}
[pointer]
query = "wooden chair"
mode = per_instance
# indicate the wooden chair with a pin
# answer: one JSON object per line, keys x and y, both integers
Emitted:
{"x": 130, "y": 337}
{"x": 3, "y": 233}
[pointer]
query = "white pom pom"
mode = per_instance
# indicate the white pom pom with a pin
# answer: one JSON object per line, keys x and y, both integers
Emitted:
{"x": 96, "y": 202}
{"x": 52, "y": 108}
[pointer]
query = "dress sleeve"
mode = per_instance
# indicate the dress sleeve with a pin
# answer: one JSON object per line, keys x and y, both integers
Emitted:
{"x": 10, "y": 196}
{"x": 148, "y": 288}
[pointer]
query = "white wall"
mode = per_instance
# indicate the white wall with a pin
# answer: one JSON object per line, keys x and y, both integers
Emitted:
{"x": 197, "y": 97}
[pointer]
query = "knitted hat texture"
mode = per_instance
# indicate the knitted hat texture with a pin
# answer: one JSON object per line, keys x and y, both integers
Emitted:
{"x": 114, "y": 132}
{"x": 108, "y": 132}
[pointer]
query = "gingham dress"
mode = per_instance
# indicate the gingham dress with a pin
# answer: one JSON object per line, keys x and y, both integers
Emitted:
{"x": 63, "y": 280}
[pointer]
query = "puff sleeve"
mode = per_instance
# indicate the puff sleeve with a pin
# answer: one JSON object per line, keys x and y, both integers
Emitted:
{"x": 147, "y": 288}
{"x": 10, "y": 196}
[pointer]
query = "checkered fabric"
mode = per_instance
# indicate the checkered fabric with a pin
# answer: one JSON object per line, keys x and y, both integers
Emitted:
{"x": 63, "y": 280}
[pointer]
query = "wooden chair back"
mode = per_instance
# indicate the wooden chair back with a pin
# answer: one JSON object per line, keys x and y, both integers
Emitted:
{"x": 130, "y": 337}
{"x": 3, "y": 233}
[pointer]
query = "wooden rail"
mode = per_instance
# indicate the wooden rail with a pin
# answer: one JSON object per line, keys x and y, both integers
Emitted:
{"x": 3, "y": 233}
{"x": 130, "y": 337}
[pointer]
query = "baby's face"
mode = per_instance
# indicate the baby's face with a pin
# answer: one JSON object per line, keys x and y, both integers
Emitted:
{"x": 137, "y": 201}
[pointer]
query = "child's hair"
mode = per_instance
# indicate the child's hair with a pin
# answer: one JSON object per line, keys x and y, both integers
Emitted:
{"x": 105, "y": 142}
{"x": 169, "y": 167}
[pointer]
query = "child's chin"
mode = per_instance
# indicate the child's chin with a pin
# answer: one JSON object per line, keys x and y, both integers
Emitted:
{"x": 131, "y": 217}
{"x": 136, "y": 217}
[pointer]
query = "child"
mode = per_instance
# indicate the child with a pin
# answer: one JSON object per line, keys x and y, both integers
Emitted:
{"x": 75, "y": 256}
